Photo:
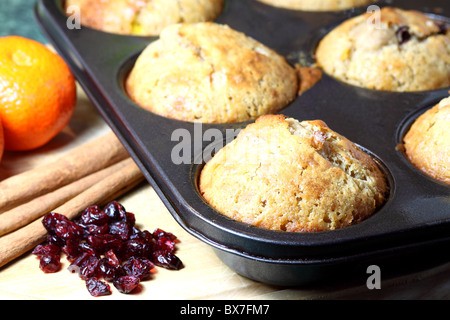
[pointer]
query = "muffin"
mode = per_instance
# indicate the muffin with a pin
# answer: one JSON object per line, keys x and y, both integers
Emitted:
{"x": 427, "y": 143}
{"x": 317, "y": 5}
{"x": 285, "y": 175}
{"x": 403, "y": 51}
{"x": 143, "y": 17}
{"x": 210, "y": 73}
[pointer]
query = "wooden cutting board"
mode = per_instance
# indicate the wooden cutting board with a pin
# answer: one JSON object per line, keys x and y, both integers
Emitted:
{"x": 204, "y": 275}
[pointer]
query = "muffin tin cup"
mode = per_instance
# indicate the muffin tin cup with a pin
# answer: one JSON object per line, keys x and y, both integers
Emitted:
{"x": 415, "y": 217}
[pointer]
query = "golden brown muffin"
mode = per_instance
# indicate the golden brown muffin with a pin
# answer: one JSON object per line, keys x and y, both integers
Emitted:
{"x": 143, "y": 17}
{"x": 210, "y": 73}
{"x": 282, "y": 174}
{"x": 427, "y": 143}
{"x": 317, "y": 5}
{"x": 402, "y": 51}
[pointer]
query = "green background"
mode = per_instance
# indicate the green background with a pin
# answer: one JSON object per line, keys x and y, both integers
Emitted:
{"x": 17, "y": 18}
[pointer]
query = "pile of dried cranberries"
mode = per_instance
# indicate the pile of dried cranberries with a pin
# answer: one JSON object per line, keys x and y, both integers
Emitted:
{"x": 106, "y": 244}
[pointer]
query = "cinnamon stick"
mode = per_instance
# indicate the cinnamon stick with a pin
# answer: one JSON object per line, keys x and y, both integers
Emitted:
{"x": 78, "y": 163}
{"x": 23, "y": 214}
{"x": 17, "y": 243}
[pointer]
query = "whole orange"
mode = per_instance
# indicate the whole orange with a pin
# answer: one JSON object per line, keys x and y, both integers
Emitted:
{"x": 37, "y": 93}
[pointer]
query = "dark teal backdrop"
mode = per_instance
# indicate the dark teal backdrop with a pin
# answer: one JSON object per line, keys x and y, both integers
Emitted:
{"x": 17, "y": 18}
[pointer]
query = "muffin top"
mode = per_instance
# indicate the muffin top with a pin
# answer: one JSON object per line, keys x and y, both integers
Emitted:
{"x": 208, "y": 72}
{"x": 282, "y": 174}
{"x": 317, "y": 5}
{"x": 143, "y": 17}
{"x": 427, "y": 143}
{"x": 400, "y": 51}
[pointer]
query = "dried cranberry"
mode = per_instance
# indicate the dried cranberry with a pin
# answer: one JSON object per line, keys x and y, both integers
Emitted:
{"x": 137, "y": 247}
{"x": 143, "y": 234}
{"x": 159, "y": 233}
{"x": 403, "y": 34}
{"x": 85, "y": 265}
{"x": 443, "y": 27}
{"x": 54, "y": 239}
{"x": 138, "y": 267}
{"x": 103, "y": 242}
{"x": 74, "y": 267}
{"x": 50, "y": 263}
{"x": 72, "y": 249}
{"x": 112, "y": 258}
{"x": 94, "y": 215}
{"x": 92, "y": 229}
{"x": 89, "y": 268}
{"x": 167, "y": 260}
{"x": 108, "y": 271}
{"x": 121, "y": 229}
{"x": 97, "y": 287}
{"x": 52, "y": 219}
{"x": 86, "y": 247}
{"x": 46, "y": 249}
{"x": 129, "y": 218}
{"x": 165, "y": 244}
{"x": 126, "y": 284}
{"x": 115, "y": 211}
{"x": 68, "y": 230}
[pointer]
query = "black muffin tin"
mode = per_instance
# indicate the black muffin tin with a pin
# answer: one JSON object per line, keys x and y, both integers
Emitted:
{"x": 412, "y": 227}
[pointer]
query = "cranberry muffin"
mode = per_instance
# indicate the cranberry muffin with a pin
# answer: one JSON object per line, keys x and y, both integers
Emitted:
{"x": 285, "y": 175}
{"x": 403, "y": 51}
